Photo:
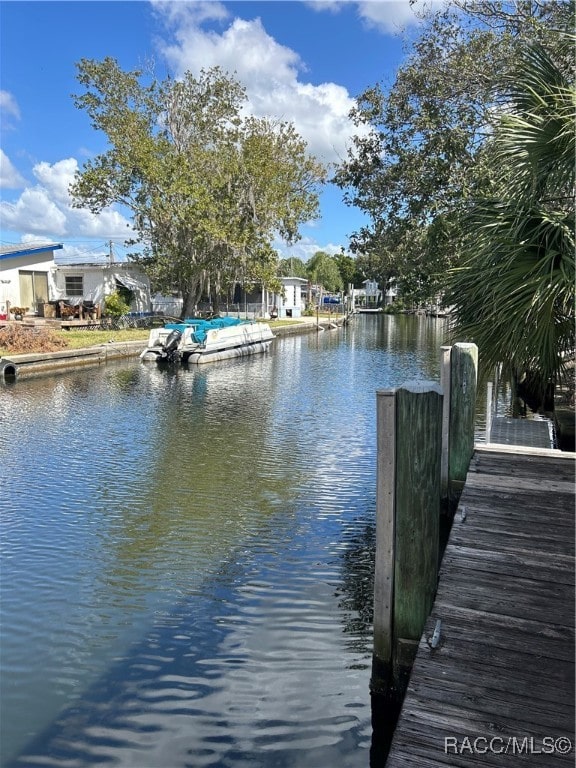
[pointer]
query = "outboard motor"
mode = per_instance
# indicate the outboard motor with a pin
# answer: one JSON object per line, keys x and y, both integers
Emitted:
{"x": 170, "y": 346}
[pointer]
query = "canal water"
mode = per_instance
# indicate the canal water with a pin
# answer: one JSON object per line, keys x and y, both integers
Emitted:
{"x": 187, "y": 555}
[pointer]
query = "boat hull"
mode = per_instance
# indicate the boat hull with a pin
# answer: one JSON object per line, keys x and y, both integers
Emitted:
{"x": 210, "y": 356}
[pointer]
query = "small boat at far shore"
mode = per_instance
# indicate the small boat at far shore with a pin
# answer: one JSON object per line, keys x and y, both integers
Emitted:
{"x": 195, "y": 341}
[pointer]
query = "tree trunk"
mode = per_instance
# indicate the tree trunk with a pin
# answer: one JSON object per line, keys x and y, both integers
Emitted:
{"x": 190, "y": 300}
{"x": 215, "y": 301}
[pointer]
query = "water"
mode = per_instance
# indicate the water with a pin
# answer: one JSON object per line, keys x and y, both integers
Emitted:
{"x": 187, "y": 555}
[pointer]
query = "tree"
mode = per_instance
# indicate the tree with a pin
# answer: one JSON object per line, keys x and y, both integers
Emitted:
{"x": 419, "y": 153}
{"x": 208, "y": 188}
{"x": 292, "y": 267}
{"x": 514, "y": 291}
{"x": 348, "y": 268}
{"x": 323, "y": 270}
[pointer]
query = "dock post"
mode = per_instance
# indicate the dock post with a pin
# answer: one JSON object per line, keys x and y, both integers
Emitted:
{"x": 385, "y": 537}
{"x": 445, "y": 384}
{"x": 418, "y": 458}
{"x": 409, "y": 422}
{"x": 463, "y": 384}
{"x": 489, "y": 399}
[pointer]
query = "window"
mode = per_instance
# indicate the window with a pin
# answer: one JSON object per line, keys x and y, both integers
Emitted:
{"x": 74, "y": 285}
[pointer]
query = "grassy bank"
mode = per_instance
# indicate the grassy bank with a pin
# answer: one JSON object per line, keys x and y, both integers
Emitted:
{"x": 16, "y": 339}
{"x": 81, "y": 339}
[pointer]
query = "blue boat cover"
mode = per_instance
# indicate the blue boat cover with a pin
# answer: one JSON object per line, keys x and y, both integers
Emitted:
{"x": 201, "y": 327}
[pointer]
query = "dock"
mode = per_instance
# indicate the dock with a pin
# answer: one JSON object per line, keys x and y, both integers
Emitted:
{"x": 533, "y": 433}
{"x": 493, "y": 678}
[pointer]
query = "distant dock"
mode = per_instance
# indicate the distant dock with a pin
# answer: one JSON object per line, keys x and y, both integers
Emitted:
{"x": 493, "y": 679}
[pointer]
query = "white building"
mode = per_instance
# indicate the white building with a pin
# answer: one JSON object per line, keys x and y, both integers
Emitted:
{"x": 75, "y": 283}
{"x": 26, "y": 276}
{"x": 370, "y": 296}
{"x": 31, "y": 278}
{"x": 292, "y": 302}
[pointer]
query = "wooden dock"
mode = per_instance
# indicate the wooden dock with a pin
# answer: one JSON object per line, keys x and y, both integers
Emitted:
{"x": 498, "y": 687}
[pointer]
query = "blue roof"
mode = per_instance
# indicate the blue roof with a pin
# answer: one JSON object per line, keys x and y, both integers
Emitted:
{"x": 14, "y": 251}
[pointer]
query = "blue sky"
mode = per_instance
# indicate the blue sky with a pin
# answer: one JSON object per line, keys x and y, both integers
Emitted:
{"x": 300, "y": 61}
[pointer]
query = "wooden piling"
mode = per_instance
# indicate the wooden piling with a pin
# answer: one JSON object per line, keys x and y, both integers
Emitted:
{"x": 385, "y": 527}
{"x": 418, "y": 452}
{"x": 445, "y": 384}
{"x": 489, "y": 410}
{"x": 463, "y": 384}
{"x": 409, "y": 423}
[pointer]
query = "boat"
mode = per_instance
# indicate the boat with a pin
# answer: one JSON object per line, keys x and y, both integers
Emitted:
{"x": 197, "y": 341}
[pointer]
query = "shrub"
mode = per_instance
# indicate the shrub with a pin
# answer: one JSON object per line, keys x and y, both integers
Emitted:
{"x": 115, "y": 306}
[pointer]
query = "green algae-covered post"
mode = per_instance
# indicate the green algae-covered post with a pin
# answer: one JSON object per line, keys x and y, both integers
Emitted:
{"x": 463, "y": 383}
{"x": 385, "y": 528}
{"x": 409, "y": 423}
{"x": 418, "y": 455}
{"x": 445, "y": 384}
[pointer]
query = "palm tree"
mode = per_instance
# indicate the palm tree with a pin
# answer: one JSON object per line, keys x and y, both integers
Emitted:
{"x": 513, "y": 293}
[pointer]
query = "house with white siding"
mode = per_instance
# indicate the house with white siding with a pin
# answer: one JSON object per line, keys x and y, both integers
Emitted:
{"x": 92, "y": 282}
{"x": 26, "y": 276}
{"x": 292, "y": 302}
{"x": 31, "y": 277}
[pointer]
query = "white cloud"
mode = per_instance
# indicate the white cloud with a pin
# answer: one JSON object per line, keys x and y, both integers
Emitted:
{"x": 34, "y": 239}
{"x": 57, "y": 178}
{"x": 33, "y": 212}
{"x": 197, "y": 11}
{"x": 8, "y": 105}
{"x": 9, "y": 176}
{"x": 326, "y": 5}
{"x": 304, "y": 249}
{"x": 46, "y": 209}
{"x": 393, "y": 16}
{"x": 271, "y": 72}
{"x": 388, "y": 16}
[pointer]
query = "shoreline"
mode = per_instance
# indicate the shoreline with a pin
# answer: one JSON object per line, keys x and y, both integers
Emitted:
{"x": 27, "y": 365}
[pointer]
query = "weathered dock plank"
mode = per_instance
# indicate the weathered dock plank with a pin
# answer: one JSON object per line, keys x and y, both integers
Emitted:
{"x": 499, "y": 688}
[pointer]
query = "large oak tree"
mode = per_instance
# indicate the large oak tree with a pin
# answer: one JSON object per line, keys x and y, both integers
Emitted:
{"x": 208, "y": 187}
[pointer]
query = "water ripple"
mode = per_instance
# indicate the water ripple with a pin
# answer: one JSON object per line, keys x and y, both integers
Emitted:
{"x": 187, "y": 556}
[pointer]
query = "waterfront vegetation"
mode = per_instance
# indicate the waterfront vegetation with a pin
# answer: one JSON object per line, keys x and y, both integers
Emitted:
{"x": 17, "y": 339}
{"x": 208, "y": 186}
{"x": 513, "y": 290}
{"x": 467, "y": 179}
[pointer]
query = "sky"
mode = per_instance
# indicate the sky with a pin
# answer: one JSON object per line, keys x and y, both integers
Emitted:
{"x": 299, "y": 61}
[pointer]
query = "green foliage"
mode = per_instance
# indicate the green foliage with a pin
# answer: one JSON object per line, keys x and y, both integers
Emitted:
{"x": 115, "y": 306}
{"x": 208, "y": 187}
{"x": 292, "y": 267}
{"x": 322, "y": 269}
{"x": 422, "y": 153}
{"x": 398, "y": 306}
{"x": 348, "y": 268}
{"x": 514, "y": 291}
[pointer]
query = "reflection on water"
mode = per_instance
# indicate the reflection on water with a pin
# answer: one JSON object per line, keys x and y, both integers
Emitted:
{"x": 187, "y": 555}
